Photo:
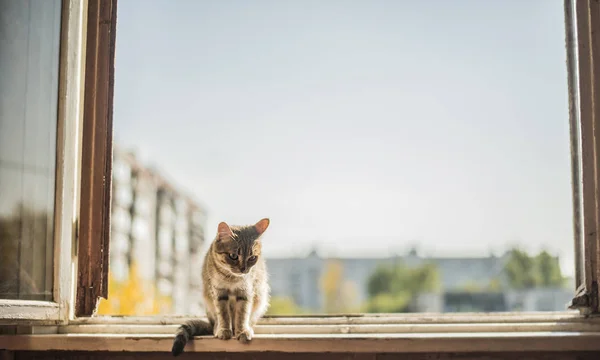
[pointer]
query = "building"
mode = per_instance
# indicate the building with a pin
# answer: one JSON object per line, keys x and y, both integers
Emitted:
{"x": 159, "y": 230}
{"x": 299, "y": 279}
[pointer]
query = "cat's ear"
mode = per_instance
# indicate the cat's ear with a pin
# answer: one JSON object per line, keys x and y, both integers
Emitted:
{"x": 224, "y": 232}
{"x": 261, "y": 226}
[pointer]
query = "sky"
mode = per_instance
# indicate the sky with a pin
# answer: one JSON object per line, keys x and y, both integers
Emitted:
{"x": 361, "y": 128}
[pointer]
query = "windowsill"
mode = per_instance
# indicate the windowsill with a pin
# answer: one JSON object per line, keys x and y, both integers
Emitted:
{"x": 337, "y": 343}
{"x": 366, "y": 333}
{"x": 28, "y": 310}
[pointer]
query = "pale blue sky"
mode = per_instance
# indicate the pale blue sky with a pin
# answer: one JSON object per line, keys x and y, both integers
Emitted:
{"x": 364, "y": 126}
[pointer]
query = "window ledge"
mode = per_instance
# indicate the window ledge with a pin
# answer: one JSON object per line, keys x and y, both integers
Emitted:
{"x": 337, "y": 343}
{"x": 27, "y": 310}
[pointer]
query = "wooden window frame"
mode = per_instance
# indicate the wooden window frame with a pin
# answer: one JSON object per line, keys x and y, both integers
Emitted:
{"x": 582, "y": 17}
{"x": 96, "y": 161}
{"x": 582, "y": 26}
{"x": 67, "y": 173}
{"x": 84, "y": 168}
{"x": 582, "y": 23}
{"x": 560, "y": 331}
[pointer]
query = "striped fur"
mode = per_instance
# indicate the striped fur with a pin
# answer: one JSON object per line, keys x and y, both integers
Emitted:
{"x": 189, "y": 330}
{"x": 235, "y": 286}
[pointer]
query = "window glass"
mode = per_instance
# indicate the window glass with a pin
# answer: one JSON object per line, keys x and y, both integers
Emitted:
{"x": 29, "y": 71}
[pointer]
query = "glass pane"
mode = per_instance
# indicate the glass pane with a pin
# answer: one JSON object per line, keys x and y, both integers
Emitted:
{"x": 29, "y": 67}
{"x": 411, "y": 155}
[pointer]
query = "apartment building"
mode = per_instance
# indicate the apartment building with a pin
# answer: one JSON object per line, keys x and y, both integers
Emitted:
{"x": 159, "y": 229}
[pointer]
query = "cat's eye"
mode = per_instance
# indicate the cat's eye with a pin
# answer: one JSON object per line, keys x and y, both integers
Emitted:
{"x": 252, "y": 258}
{"x": 233, "y": 256}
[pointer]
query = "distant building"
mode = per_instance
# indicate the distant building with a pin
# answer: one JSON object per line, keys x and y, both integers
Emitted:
{"x": 160, "y": 230}
{"x": 299, "y": 279}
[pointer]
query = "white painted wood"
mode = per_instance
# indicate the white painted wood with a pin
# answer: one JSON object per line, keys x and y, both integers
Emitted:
{"x": 377, "y": 319}
{"x": 15, "y": 311}
{"x": 350, "y": 329}
{"x": 69, "y": 153}
{"x": 67, "y": 176}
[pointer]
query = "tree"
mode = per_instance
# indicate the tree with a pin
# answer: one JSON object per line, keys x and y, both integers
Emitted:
{"x": 381, "y": 281}
{"x": 520, "y": 270}
{"x": 389, "y": 303}
{"x": 283, "y": 305}
{"x": 549, "y": 270}
{"x": 523, "y": 271}
{"x": 340, "y": 294}
{"x": 133, "y": 296}
{"x": 393, "y": 288}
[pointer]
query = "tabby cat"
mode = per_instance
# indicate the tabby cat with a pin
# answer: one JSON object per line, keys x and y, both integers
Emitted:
{"x": 236, "y": 291}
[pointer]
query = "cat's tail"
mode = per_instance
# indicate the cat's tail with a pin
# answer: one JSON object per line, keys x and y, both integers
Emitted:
{"x": 188, "y": 330}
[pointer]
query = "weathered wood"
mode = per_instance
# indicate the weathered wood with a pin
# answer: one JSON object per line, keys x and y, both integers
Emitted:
{"x": 374, "y": 319}
{"x": 94, "y": 225}
{"x": 346, "y": 343}
{"x": 322, "y": 329}
{"x": 7, "y": 355}
{"x": 594, "y": 19}
{"x": 308, "y": 355}
{"x": 587, "y": 22}
{"x": 574, "y": 131}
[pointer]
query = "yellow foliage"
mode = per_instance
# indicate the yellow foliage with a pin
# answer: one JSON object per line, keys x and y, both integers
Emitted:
{"x": 133, "y": 296}
{"x": 340, "y": 295}
{"x": 330, "y": 284}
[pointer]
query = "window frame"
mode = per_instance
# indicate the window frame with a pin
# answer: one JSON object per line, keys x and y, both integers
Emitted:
{"x": 71, "y": 62}
{"x": 582, "y": 23}
{"x": 583, "y": 45}
{"x": 96, "y": 157}
{"x": 582, "y": 17}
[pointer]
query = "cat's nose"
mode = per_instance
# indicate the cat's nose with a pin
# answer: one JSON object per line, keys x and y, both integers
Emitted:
{"x": 243, "y": 269}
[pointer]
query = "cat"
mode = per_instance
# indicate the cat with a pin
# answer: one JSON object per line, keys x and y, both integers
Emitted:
{"x": 235, "y": 286}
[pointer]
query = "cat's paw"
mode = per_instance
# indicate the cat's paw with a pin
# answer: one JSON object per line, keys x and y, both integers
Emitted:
{"x": 223, "y": 334}
{"x": 245, "y": 336}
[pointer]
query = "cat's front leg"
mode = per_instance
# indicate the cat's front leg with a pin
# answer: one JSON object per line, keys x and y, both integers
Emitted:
{"x": 243, "y": 331}
{"x": 223, "y": 330}
{"x": 260, "y": 304}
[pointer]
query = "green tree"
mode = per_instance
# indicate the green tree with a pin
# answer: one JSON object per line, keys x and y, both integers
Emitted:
{"x": 393, "y": 288}
{"x": 520, "y": 270}
{"x": 381, "y": 281}
{"x": 549, "y": 270}
{"x": 283, "y": 305}
{"x": 523, "y": 271}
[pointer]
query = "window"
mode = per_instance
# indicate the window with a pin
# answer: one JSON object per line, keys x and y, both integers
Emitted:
{"x": 37, "y": 158}
{"x": 46, "y": 127}
{"x": 150, "y": 217}
{"x": 29, "y": 112}
{"x": 374, "y": 134}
